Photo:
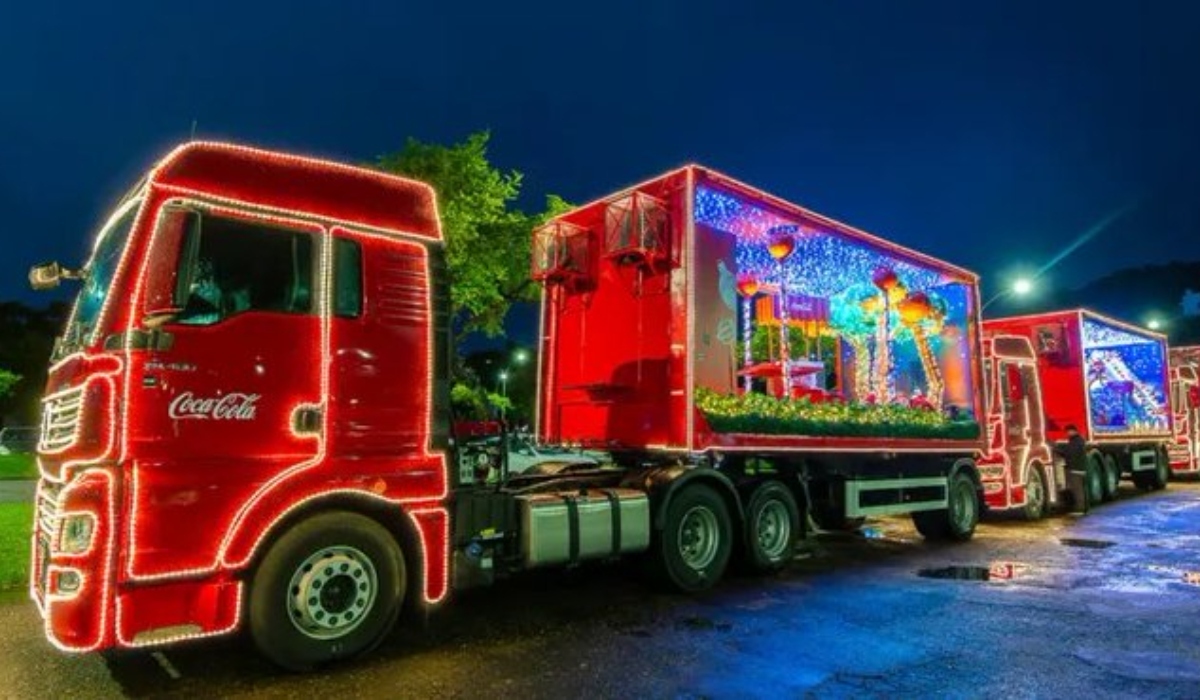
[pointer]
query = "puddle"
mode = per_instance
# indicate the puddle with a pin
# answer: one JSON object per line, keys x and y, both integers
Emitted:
{"x": 1000, "y": 571}
{"x": 1191, "y": 578}
{"x": 1089, "y": 544}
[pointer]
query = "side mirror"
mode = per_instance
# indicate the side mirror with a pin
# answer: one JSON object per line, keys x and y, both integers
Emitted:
{"x": 48, "y": 275}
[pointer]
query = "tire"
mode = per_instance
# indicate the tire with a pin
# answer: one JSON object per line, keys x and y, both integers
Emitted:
{"x": 956, "y": 522}
{"x": 1035, "y": 494}
{"x": 691, "y": 552}
{"x": 312, "y": 570}
{"x": 1094, "y": 480}
{"x": 1112, "y": 477}
{"x": 772, "y": 526}
{"x": 1162, "y": 471}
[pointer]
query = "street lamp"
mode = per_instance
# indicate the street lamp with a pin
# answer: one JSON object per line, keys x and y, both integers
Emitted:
{"x": 1020, "y": 287}
{"x": 503, "y": 391}
{"x": 520, "y": 356}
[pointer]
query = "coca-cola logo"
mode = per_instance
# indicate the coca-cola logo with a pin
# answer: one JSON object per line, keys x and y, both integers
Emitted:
{"x": 228, "y": 407}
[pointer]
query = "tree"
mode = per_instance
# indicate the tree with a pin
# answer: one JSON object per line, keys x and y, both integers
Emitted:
{"x": 487, "y": 238}
{"x": 8, "y": 380}
{"x": 26, "y": 339}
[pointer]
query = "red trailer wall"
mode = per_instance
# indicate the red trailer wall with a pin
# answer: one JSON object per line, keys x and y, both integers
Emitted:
{"x": 609, "y": 374}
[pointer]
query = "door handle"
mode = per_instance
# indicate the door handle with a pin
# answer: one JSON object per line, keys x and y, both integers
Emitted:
{"x": 307, "y": 420}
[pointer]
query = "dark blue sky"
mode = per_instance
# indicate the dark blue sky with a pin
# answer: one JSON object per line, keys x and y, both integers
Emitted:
{"x": 986, "y": 133}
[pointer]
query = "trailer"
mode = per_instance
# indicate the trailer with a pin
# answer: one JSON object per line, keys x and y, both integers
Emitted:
{"x": 1109, "y": 380}
{"x": 1184, "y": 450}
{"x": 261, "y": 350}
{"x": 694, "y": 318}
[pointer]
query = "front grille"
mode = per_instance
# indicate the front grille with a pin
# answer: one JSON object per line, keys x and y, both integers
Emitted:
{"x": 47, "y": 507}
{"x": 60, "y": 419}
{"x": 47, "y": 527}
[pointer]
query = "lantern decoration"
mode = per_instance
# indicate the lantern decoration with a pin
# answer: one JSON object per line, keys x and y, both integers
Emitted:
{"x": 922, "y": 317}
{"x": 781, "y": 242}
{"x": 888, "y": 282}
{"x": 747, "y": 287}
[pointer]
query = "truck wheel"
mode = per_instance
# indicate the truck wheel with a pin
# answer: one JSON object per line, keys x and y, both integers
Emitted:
{"x": 1035, "y": 494}
{"x": 330, "y": 588}
{"x": 1112, "y": 477}
{"x": 1094, "y": 480}
{"x": 772, "y": 524}
{"x": 693, "y": 549}
{"x": 1162, "y": 471}
{"x": 957, "y": 522}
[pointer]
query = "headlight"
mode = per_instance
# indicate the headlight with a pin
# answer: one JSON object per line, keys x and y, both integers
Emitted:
{"x": 75, "y": 534}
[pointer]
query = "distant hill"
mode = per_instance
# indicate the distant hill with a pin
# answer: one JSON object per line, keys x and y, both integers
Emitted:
{"x": 1136, "y": 295}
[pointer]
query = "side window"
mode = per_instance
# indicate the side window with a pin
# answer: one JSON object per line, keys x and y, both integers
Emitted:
{"x": 233, "y": 266}
{"x": 347, "y": 278}
{"x": 987, "y": 384}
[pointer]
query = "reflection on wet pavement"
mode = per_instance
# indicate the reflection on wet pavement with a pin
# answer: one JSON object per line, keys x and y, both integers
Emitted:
{"x": 1090, "y": 544}
{"x": 999, "y": 571}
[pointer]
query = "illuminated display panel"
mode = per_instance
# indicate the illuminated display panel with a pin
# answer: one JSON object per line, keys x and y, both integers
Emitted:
{"x": 877, "y": 341}
{"x": 1125, "y": 374}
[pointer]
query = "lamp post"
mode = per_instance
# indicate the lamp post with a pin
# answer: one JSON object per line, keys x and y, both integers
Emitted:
{"x": 503, "y": 390}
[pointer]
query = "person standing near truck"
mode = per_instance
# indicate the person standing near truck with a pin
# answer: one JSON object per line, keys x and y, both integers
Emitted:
{"x": 1075, "y": 454}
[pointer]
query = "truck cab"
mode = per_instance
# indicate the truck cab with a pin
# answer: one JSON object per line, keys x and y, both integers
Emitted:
{"x": 256, "y": 339}
{"x": 1017, "y": 469}
{"x": 1184, "y": 449}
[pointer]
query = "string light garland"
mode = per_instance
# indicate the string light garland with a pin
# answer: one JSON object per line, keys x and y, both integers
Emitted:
{"x": 1126, "y": 374}
{"x": 764, "y": 415}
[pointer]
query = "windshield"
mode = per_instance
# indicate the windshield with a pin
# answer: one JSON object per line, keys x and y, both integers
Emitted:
{"x": 98, "y": 275}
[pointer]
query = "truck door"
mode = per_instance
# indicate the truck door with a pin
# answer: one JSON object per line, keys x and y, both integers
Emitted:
{"x": 381, "y": 374}
{"x": 223, "y": 400}
{"x": 1014, "y": 394}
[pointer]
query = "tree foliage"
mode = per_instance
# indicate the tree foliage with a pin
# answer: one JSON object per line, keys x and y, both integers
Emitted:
{"x": 26, "y": 338}
{"x": 8, "y": 380}
{"x": 487, "y": 237}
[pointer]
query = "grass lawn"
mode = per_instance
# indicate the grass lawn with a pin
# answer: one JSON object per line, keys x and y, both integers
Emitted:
{"x": 18, "y": 466}
{"x": 16, "y": 521}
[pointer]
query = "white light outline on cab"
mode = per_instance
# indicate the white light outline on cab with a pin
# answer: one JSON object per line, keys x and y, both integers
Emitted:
{"x": 997, "y": 402}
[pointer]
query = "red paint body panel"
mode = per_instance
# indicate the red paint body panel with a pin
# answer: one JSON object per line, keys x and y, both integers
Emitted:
{"x": 196, "y": 438}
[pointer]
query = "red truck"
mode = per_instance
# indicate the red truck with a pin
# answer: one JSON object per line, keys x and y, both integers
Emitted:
{"x": 1184, "y": 450}
{"x": 247, "y": 419}
{"x": 1107, "y": 378}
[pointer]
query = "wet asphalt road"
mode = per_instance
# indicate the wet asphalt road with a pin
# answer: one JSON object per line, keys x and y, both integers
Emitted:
{"x": 1103, "y": 606}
